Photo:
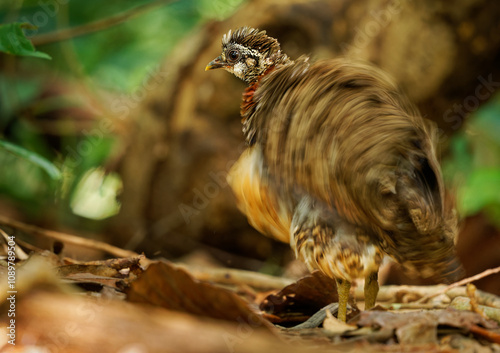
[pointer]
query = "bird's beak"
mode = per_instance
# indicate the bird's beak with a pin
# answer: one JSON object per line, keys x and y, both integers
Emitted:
{"x": 215, "y": 64}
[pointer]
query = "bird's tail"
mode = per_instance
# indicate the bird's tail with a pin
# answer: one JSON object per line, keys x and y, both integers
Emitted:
{"x": 428, "y": 220}
{"x": 437, "y": 238}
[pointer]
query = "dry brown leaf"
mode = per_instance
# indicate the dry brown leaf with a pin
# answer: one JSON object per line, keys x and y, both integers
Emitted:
{"x": 56, "y": 322}
{"x": 465, "y": 344}
{"x": 92, "y": 275}
{"x": 421, "y": 327}
{"x": 417, "y": 332}
{"x": 302, "y": 298}
{"x": 132, "y": 263}
{"x": 96, "y": 270}
{"x": 335, "y": 326}
{"x": 171, "y": 287}
{"x": 95, "y": 283}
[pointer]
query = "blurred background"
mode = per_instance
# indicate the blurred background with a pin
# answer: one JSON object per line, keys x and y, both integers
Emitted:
{"x": 112, "y": 130}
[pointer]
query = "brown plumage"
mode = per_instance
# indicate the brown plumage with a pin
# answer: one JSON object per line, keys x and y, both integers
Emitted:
{"x": 340, "y": 165}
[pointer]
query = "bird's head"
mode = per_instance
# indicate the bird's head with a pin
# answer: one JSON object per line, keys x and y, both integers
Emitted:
{"x": 248, "y": 53}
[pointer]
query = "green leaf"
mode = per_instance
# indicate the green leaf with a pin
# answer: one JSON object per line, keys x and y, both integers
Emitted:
{"x": 13, "y": 41}
{"x": 32, "y": 158}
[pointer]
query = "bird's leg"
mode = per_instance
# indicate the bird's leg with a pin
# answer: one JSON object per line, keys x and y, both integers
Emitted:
{"x": 343, "y": 290}
{"x": 371, "y": 290}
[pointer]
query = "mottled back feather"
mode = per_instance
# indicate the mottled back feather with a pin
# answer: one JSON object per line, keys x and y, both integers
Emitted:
{"x": 341, "y": 131}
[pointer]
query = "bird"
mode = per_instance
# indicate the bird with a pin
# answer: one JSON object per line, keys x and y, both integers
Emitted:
{"x": 339, "y": 164}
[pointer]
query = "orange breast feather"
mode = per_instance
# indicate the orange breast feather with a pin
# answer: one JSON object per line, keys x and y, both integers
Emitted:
{"x": 257, "y": 198}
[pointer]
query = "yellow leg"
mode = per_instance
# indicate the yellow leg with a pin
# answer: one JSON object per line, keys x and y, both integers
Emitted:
{"x": 343, "y": 289}
{"x": 371, "y": 290}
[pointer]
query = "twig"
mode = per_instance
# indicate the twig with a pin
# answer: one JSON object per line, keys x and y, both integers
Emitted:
{"x": 405, "y": 294}
{"x": 68, "y": 33}
{"x": 489, "y": 335}
{"x": 399, "y": 293}
{"x": 68, "y": 238}
{"x": 471, "y": 293}
{"x": 413, "y": 306}
{"x": 462, "y": 282}
{"x": 464, "y": 303}
{"x": 20, "y": 254}
{"x": 238, "y": 277}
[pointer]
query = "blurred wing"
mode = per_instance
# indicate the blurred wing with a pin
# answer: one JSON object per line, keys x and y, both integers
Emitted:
{"x": 343, "y": 133}
{"x": 334, "y": 130}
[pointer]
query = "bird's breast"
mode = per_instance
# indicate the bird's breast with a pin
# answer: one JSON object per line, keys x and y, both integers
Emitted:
{"x": 257, "y": 197}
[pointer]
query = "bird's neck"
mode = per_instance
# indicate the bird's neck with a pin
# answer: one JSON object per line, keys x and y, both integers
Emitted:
{"x": 248, "y": 102}
{"x": 246, "y": 110}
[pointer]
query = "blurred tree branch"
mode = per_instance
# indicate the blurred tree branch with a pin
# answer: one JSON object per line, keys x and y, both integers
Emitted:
{"x": 67, "y": 238}
{"x": 99, "y": 25}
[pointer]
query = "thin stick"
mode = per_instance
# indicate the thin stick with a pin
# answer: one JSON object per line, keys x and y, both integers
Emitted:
{"x": 20, "y": 254}
{"x": 486, "y": 273}
{"x": 237, "y": 277}
{"x": 105, "y": 23}
{"x": 68, "y": 238}
{"x": 413, "y": 306}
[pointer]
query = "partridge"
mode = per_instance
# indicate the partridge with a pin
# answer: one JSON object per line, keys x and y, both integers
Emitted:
{"x": 339, "y": 164}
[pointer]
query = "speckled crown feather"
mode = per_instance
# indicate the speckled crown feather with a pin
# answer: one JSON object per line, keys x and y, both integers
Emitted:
{"x": 252, "y": 38}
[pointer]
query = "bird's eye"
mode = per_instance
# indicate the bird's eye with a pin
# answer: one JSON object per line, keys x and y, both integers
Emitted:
{"x": 233, "y": 55}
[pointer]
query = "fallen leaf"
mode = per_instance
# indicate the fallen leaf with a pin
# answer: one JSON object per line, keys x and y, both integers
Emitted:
{"x": 462, "y": 319}
{"x": 302, "y": 298}
{"x": 95, "y": 283}
{"x": 132, "y": 263}
{"x": 96, "y": 270}
{"x": 58, "y": 322}
{"x": 465, "y": 344}
{"x": 335, "y": 326}
{"x": 417, "y": 332}
{"x": 171, "y": 287}
{"x": 422, "y": 326}
{"x": 93, "y": 275}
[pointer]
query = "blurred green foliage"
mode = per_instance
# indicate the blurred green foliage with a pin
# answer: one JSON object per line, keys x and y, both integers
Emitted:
{"x": 38, "y": 175}
{"x": 14, "y": 41}
{"x": 474, "y": 165}
{"x": 53, "y": 140}
{"x": 118, "y": 57}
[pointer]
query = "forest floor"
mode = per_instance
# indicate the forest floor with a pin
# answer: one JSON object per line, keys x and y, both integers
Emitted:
{"x": 129, "y": 303}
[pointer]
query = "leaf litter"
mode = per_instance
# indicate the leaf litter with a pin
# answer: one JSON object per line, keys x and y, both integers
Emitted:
{"x": 145, "y": 300}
